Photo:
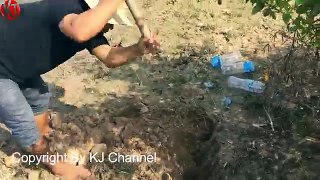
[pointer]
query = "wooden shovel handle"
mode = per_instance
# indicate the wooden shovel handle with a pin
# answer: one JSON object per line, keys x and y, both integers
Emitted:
{"x": 138, "y": 17}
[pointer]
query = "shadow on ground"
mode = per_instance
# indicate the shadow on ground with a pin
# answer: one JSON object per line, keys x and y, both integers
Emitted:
{"x": 162, "y": 105}
{"x": 167, "y": 108}
{"x": 159, "y": 113}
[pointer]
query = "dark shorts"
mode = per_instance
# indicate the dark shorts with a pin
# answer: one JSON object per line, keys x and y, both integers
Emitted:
{"x": 19, "y": 103}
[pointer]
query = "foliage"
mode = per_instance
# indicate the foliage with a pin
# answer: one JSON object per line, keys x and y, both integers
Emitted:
{"x": 300, "y": 16}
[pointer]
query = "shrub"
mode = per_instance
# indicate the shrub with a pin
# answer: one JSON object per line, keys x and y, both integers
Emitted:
{"x": 300, "y": 16}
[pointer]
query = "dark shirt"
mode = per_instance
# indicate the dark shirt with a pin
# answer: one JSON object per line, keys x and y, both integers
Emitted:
{"x": 32, "y": 44}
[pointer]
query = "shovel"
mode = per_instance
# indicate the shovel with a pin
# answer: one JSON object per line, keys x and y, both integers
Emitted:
{"x": 123, "y": 17}
{"x": 138, "y": 17}
{"x": 127, "y": 14}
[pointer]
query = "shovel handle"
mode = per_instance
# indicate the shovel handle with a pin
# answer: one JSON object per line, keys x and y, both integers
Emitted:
{"x": 138, "y": 17}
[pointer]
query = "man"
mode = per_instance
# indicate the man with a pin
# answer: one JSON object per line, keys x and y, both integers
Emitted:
{"x": 46, "y": 34}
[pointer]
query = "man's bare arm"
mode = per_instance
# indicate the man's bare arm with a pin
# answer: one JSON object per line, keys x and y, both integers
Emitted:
{"x": 84, "y": 26}
{"x": 114, "y": 57}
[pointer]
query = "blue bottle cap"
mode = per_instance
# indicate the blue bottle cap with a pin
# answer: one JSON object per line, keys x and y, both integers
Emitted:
{"x": 216, "y": 61}
{"x": 226, "y": 101}
{"x": 248, "y": 66}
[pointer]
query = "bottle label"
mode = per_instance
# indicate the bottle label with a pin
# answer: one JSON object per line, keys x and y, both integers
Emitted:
{"x": 252, "y": 88}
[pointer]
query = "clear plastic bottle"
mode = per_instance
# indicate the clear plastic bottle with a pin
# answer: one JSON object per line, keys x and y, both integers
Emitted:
{"x": 218, "y": 60}
{"x": 246, "y": 84}
{"x": 237, "y": 67}
{"x": 232, "y": 63}
{"x": 231, "y": 57}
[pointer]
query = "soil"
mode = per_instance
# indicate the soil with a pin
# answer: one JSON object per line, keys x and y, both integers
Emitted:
{"x": 161, "y": 105}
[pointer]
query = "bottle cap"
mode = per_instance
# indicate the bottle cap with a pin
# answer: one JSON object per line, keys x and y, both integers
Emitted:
{"x": 248, "y": 66}
{"x": 226, "y": 101}
{"x": 216, "y": 61}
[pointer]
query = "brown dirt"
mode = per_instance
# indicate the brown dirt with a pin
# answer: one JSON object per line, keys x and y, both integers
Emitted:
{"x": 159, "y": 104}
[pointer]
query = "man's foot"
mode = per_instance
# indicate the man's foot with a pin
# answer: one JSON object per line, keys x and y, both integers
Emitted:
{"x": 70, "y": 171}
{"x": 42, "y": 122}
{"x": 48, "y": 131}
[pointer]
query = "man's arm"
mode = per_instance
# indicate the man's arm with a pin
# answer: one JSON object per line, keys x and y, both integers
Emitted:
{"x": 84, "y": 26}
{"x": 114, "y": 57}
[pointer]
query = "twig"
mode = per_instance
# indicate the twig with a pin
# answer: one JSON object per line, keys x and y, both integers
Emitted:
{"x": 267, "y": 46}
{"x": 168, "y": 176}
{"x": 269, "y": 117}
{"x": 311, "y": 108}
{"x": 313, "y": 140}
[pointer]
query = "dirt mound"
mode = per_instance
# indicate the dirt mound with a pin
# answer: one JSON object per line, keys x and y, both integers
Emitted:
{"x": 182, "y": 152}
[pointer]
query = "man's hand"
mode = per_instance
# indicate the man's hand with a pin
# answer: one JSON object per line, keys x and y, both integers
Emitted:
{"x": 71, "y": 172}
{"x": 148, "y": 45}
{"x": 65, "y": 170}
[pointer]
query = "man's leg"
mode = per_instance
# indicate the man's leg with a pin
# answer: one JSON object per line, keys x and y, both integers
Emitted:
{"x": 38, "y": 96}
{"x": 18, "y": 116}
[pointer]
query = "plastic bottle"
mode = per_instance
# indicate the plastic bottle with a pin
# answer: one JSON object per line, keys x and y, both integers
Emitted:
{"x": 232, "y": 63}
{"x": 231, "y": 57}
{"x": 246, "y": 84}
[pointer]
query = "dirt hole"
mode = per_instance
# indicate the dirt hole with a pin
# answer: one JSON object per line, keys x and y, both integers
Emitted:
{"x": 196, "y": 147}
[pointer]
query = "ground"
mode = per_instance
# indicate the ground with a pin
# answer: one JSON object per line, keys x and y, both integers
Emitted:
{"x": 161, "y": 104}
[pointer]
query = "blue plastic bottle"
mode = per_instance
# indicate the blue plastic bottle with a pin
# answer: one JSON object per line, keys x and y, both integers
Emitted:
{"x": 232, "y": 63}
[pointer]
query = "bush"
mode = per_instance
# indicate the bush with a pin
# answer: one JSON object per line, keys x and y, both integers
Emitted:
{"x": 301, "y": 17}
